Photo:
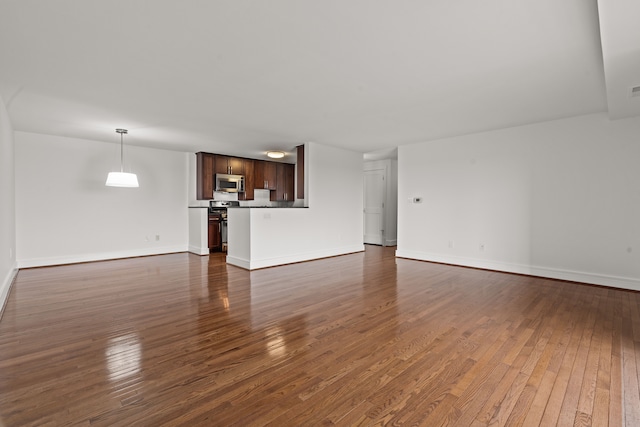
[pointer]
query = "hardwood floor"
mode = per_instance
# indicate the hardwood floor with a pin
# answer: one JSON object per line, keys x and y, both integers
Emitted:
{"x": 362, "y": 339}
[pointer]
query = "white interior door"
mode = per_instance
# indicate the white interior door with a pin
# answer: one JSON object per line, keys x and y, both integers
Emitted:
{"x": 374, "y": 206}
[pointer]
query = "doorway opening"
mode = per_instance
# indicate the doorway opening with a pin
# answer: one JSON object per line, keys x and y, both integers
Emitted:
{"x": 380, "y": 202}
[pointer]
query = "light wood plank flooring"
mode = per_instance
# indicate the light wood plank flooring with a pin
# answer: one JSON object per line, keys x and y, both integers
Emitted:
{"x": 362, "y": 339}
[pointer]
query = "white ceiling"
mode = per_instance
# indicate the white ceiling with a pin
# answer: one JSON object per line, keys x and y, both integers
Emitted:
{"x": 240, "y": 77}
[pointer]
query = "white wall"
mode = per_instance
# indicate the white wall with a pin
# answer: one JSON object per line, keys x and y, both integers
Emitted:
{"x": 331, "y": 225}
{"x": 557, "y": 199}
{"x": 65, "y": 214}
{"x": 8, "y": 266}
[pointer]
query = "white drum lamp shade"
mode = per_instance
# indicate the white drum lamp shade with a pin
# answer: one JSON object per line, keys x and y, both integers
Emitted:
{"x": 122, "y": 178}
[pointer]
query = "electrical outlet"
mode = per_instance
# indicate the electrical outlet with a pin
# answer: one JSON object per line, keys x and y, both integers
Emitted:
{"x": 451, "y": 244}
{"x": 481, "y": 247}
{"x": 157, "y": 237}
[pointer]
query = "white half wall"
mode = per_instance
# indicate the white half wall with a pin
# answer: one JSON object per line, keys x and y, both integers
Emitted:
{"x": 558, "y": 199}
{"x": 330, "y": 226}
{"x": 8, "y": 266}
{"x": 198, "y": 230}
{"x": 65, "y": 214}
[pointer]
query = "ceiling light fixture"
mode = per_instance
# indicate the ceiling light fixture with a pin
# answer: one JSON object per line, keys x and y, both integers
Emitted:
{"x": 122, "y": 178}
{"x": 275, "y": 154}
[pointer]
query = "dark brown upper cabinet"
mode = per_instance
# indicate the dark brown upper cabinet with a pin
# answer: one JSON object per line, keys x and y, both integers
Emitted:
{"x": 300, "y": 171}
{"x": 265, "y": 175}
{"x": 248, "y": 166}
{"x": 229, "y": 165}
{"x": 284, "y": 182}
{"x": 205, "y": 176}
{"x": 277, "y": 177}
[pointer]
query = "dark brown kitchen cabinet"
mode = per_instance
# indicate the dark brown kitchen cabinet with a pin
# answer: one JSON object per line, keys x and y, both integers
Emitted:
{"x": 265, "y": 175}
{"x": 215, "y": 233}
{"x": 205, "y": 176}
{"x": 248, "y": 166}
{"x": 270, "y": 175}
{"x": 284, "y": 183}
{"x": 289, "y": 182}
{"x": 229, "y": 165}
{"x": 279, "y": 178}
{"x": 300, "y": 171}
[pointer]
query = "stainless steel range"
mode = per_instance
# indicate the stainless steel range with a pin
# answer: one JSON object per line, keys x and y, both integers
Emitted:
{"x": 219, "y": 207}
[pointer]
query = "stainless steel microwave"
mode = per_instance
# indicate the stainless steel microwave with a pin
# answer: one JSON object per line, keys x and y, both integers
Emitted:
{"x": 229, "y": 183}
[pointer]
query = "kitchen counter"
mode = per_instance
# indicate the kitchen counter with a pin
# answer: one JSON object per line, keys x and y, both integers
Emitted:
{"x": 253, "y": 207}
{"x": 269, "y": 207}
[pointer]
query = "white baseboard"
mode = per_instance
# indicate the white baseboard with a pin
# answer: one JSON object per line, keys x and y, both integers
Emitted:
{"x": 198, "y": 250}
{"x": 239, "y": 262}
{"x": 391, "y": 242}
{"x": 254, "y": 264}
{"x": 552, "y": 273}
{"x": 6, "y": 287}
{"x": 101, "y": 256}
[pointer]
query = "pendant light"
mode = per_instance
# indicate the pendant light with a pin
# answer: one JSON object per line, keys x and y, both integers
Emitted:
{"x": 122, "y": 178}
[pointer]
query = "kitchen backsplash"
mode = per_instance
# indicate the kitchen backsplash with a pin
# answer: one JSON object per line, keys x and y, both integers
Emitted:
{"x": 222, "y": 196}
{"x": 260, "y": 199}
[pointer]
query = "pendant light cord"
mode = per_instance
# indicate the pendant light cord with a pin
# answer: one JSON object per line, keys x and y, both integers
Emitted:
{"x": 121, "y": 132}
{"x": 121, "y": 153}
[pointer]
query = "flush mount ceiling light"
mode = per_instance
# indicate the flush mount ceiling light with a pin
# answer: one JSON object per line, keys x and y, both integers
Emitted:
{"x": 275, "y": 154}
{"x": 122, "y": 178}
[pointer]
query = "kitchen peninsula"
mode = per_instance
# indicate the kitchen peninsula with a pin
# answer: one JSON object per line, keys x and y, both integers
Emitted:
{"x": 223, "y": 181}
{"x": 263, "y": 232}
